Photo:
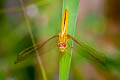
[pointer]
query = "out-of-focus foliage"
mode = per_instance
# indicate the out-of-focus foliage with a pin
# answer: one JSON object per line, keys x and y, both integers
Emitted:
{"x": 96, "y": 25}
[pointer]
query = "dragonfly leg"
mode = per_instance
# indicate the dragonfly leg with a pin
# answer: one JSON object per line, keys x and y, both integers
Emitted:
{"x": 68, "y": 48}
{"x": 68, "y": 36}
{"x": 65, "y": 54}
{"x": 68, "y": 51}
{"x": 60, "y": 54}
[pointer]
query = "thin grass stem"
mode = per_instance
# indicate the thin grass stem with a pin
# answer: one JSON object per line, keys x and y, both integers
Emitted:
{"x": 31, "y": 35}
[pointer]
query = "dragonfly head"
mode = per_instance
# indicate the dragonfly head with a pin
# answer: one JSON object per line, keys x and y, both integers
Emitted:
{"x": 61, "y": 46}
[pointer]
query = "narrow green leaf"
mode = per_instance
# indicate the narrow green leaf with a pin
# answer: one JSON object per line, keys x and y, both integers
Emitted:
{"x": 65, "y": 61}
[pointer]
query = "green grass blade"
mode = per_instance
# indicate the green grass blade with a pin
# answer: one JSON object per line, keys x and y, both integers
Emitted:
{"x": 65, "y": 61}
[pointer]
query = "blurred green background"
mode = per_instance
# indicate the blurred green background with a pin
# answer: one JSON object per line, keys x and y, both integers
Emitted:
{"x": 98, "y": 24}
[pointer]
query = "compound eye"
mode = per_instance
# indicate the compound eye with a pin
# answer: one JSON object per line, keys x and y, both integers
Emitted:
{"x": 64, "y": 44}
{"x": 58, "y": 44}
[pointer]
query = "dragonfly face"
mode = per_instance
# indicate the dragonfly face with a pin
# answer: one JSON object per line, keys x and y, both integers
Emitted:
{"x": 61, "y": 47}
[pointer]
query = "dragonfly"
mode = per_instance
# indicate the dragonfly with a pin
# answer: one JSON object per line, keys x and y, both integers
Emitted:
{"x": 62, "y": 44}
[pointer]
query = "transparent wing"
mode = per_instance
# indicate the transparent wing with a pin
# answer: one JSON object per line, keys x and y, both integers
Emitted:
{"x": 28, "y": 51}
{"x": 99, "y": 56}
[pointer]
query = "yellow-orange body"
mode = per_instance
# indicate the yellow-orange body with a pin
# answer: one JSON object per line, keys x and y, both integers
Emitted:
{"x": 63, "y": 37}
